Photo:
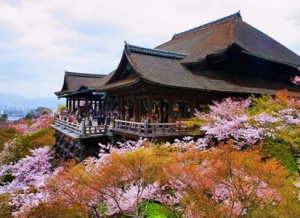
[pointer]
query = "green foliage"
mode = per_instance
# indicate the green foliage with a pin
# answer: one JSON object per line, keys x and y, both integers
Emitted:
{"x": 11, "y": 151}
{"x": 282, "y": 152}
{"x": 3, "y": 117}
{"x": 60, "y": 107}
{"x": 43, "y": 110}
{"x": 155, "y": 210}
{"x": 37, "y": 139}
{"x": 13, "y": 146}
{"x": 264, "y": 104}
{"x": 6, "y": 135}
{"x": 37, "y": 112}
{"x": 28, "y": 116}
{"x": 5, "y": 208}
{"x": 286, "y": 146}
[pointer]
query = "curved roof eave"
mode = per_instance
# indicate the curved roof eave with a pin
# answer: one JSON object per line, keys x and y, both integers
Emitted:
{"x": 110, "y": 87}
{"x": 243, "y": 50}
{"x": 270, "y": 59}
{"x": 256, "y": 91}
{"x": 81, "y": 90}
{"x": 125, "y": 58}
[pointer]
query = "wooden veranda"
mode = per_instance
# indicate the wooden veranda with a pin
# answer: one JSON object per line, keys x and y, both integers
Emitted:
{"x": 78, "y": 141}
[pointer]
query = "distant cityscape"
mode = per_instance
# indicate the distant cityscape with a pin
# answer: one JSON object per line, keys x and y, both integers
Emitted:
{"x": 13, "y": 113}
{"x": 17, "y": 107}
{"x": 18, "y": 112}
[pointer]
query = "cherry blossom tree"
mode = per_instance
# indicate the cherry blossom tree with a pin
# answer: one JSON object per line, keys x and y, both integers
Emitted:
{"x": 192, "y": 177}
{"x": 234, "y": 120}
{"x": 29, "y": 175}
{"x": 25, "y": 126}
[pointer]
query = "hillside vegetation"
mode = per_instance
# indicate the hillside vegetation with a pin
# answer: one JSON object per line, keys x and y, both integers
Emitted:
{"x": 245, "y": 165}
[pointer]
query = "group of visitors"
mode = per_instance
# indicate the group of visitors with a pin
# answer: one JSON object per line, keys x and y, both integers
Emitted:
{"x": 76, "y": 118}
{"x": 103, "y": 119}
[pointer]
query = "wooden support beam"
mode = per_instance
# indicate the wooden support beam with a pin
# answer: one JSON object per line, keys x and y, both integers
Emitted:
{"x": 161, "y": 110}
{"x": 135, "y": 110}
{"x": 67, "y": 103}
{"x": 193, "y": 106}
{"x": 170, "y": 111}
{"x": 73, "y": 101}
{"x": 121, "y": 107}
{"x": 150, "y": 103}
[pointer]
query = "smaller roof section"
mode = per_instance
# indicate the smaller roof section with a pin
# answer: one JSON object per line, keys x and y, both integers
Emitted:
{"x": 74, "y": 81}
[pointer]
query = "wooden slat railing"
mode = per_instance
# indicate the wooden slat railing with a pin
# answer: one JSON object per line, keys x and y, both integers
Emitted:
{"x": 81, "y": 129}
{"x": 152, "y": 129}
{"x": 133, "y": 128}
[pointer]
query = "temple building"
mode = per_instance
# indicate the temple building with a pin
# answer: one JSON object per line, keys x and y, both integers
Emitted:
{"x": 168, "y": 83}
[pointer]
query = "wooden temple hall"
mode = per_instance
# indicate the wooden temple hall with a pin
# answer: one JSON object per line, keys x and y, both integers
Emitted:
{"x": 165, "y": 85}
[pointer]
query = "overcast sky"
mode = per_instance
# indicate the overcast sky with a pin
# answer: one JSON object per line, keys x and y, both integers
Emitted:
{"x": 40, "y": 39}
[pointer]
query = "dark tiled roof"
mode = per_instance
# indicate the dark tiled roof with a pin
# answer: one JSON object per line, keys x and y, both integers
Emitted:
{"x": 260, "y": 44}
{"x": 102, "y": 81}
{"x": 165, "y": 71}
{"x": 168, "y": 72}
{"x": 166, "y": 65}
{"x": 74, "y": 81}
{"x": 171, "y": 73}
{"x": 201, "y": 43}
{"x": 216, "y": 37}
{"x": 213, "y": 23}
{"x": 89, "y": 75}
{"x": 118, "y": 84}
{"x": 156, "y": 52}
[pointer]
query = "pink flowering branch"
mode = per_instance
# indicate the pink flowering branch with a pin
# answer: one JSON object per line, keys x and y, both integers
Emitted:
{"x": 29, "y": 175}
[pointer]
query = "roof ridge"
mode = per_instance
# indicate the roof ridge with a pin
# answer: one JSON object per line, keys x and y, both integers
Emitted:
{"x": 236, "y": 15}
{"x": 155, "y": 52}
{"x": 68, "y": 73}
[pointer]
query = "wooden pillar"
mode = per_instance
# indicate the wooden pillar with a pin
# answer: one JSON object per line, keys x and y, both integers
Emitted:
{"x": 135, "y": 110}
{"x": 106, "y": 105}
{"x": 171, "y": 112}
{"x": 139, "y": 105}
{"x": 78, "y": 103}
{"x": 70, "y": 104}
{"x": 179, "y": 110}
{"x": 121, "y": 107}
{"x": 97, "y": 109}
{"x": 150, "y": 103}
{"x": 193, "y": 106}
{"x": 161, "y": 111}
{"x": 67, "y": 103}
{"x": 73, "y": 101}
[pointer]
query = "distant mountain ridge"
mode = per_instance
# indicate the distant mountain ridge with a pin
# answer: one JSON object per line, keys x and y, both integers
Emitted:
{"x": 21, "y": 101}
{"x": 11, "y": 97}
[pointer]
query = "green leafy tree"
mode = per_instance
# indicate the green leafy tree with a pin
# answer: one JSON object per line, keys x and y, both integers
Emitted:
{"x": 3, "y": 117}
{"x": 60, "y": 108}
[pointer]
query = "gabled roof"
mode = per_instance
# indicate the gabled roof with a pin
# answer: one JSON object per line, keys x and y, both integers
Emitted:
{"x": 161, "y": 70}
{"x": 171, "y": 73}
{"x": 101, "y": 81}
{"x": 152, "y": 66}
{"x": 75, "y": 81}
{"x": 216, "y": 22}
{"x": 216, "y": 37}
{"x": 168, "y": 64}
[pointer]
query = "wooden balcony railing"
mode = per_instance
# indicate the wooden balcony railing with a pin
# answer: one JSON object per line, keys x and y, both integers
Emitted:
{"x": 152, "y": 129}
{"x": 81, "y": 129}
{"x": 140, "y": 129}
